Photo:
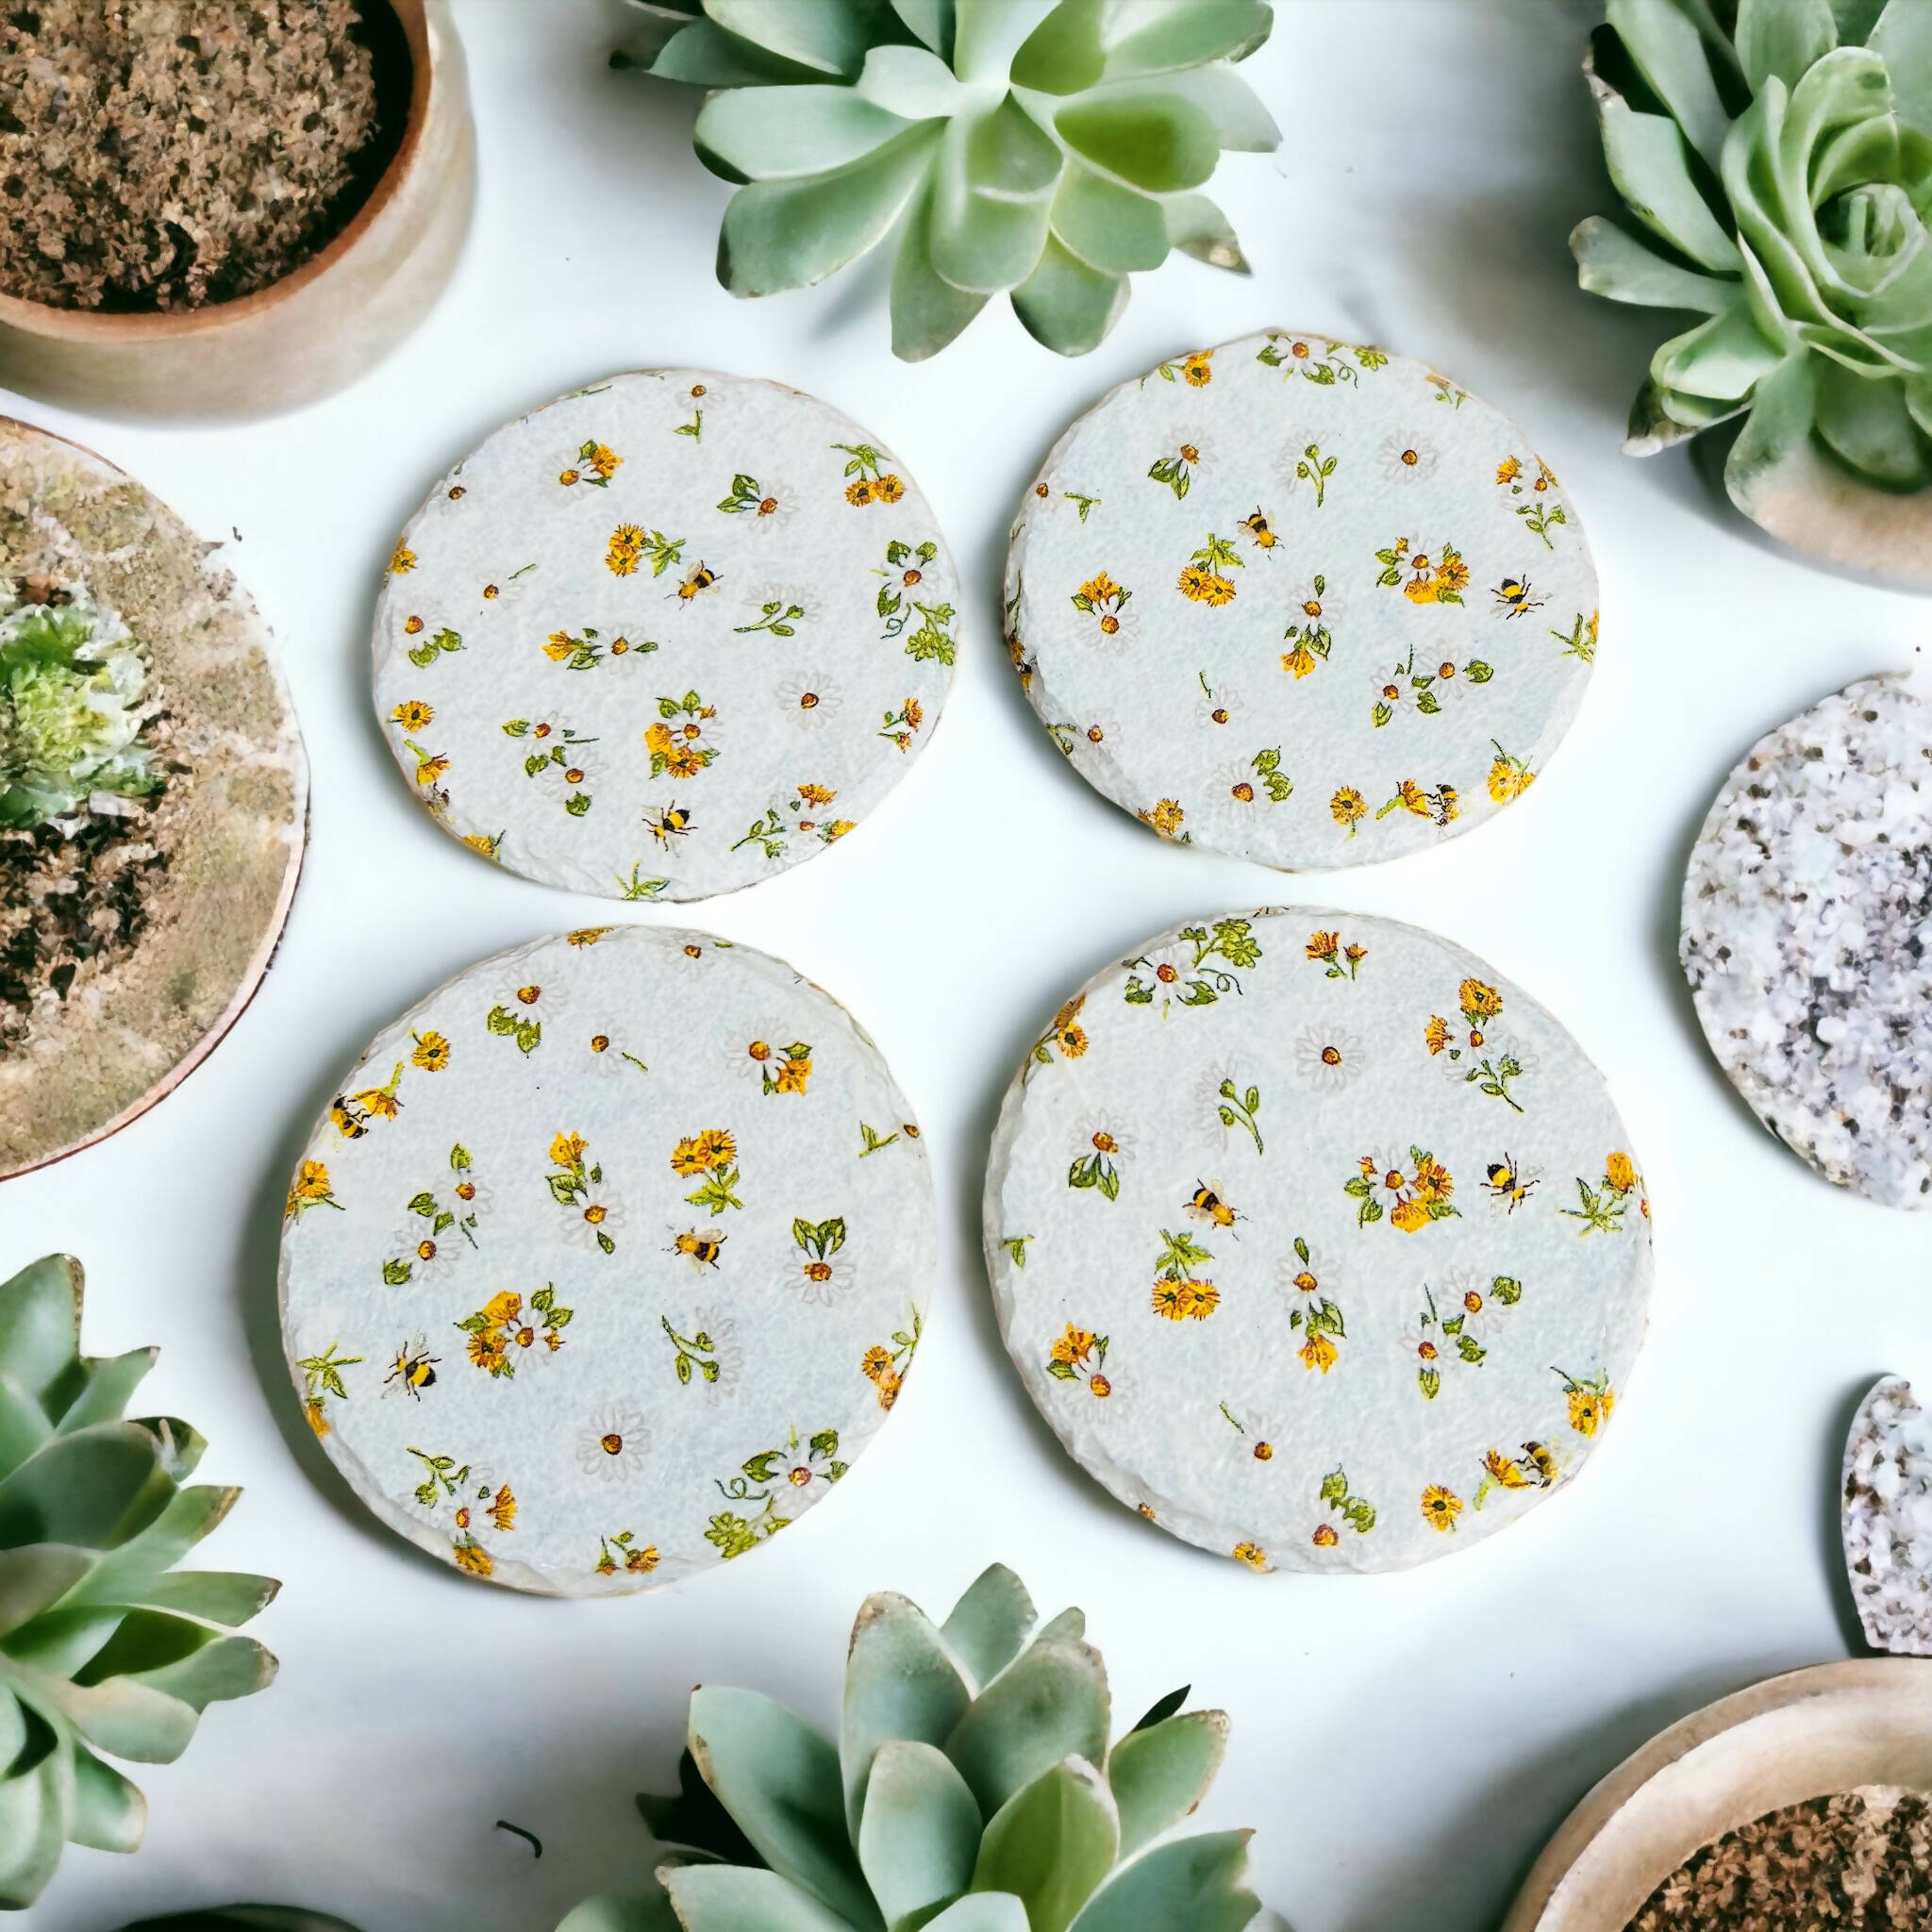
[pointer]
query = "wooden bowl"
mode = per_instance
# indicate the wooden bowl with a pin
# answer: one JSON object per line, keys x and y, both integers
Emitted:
{"x": 316, "y": 328}
{"x": 1804, "y": 1736}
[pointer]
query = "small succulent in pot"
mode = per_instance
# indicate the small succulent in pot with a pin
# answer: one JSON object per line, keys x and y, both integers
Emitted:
{"x": 1775, "y": 156}
{"x": 1046, "y": 149}
{"x": 973, "y": 1789}
{"x": 72, "y": 688}
{"x": 105, "y": 1646}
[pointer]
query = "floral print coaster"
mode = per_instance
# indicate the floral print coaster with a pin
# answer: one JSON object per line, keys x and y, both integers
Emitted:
{"x": 1316, "y": 1241}
{"x": 607, "y": 1260}
{"x": 1300, "y": 600}
{"x": 665, "y": 637}
{"x": 1803, "y": 939}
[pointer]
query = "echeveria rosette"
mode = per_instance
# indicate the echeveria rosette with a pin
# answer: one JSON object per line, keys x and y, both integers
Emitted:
{"x": 1046, "y": 149}
{"x": 1780, "y": 158}
{"x": 103, "y": 1645}
{"x": 973, "y": 1789}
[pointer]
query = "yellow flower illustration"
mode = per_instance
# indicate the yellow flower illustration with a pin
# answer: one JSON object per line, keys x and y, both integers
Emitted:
{"x": 1200, "y": 584}
{"x": 402, "y": 561}
{"x": 1318, "y": 1350}
{"x": 860, "y": 493}
{"x": 311, "y": 1189}
{"x": 485, "y": 1350}
{"x": 1436, "y": 1034}
{"x": 657, "y": 738}
{"x": 312, "y": 1410}
{"x": 685, "y": 761}
{"x": 1325, "y": 1536}
{"x": 816, "y": 795}
{"x": 1348, "y": 808}
{"x": 503, "y": 1508}
{"x": 1100, "y": 589}
{"x": 1508, "y": 470}
{"x": 889, "y": 489}
{"x": 1324, "y": 945}
{"x": 875, "y": 1361}
{"x": 1621, "y": 1172}
{"x": 1165, "y": 816}
{"x": 566, "y": 1150}
{"x": 792, "y": 1074}
{"x": 1478, "y": 1001}
{"x": 485, "y": 842}
{"x": 1510, "y": 777}
{"x": 472, "y": 1557}
{"x": 1185, "y": 1300}
{"x": 837, "y": 829}
{"x": 626, "y": 547}
{"x": 1071, "y": 1039}
{"x": 1440, "y": 1506}
{"x": 432, "y": 1052}
{"x": 1504, "y": 1470}
{"x": 412, "y": 714}
{"x": 1197, "y": 371}
{"x": 1252, "y": 1555}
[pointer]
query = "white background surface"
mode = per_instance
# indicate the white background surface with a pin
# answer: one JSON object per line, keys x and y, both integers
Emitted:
{"x": 1403, "y": 1744}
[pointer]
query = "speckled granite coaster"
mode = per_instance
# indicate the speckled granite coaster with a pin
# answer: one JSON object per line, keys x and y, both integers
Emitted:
{"x": 609, "y": 1259}
{"x": 1888, "y": 1519}
{"x": 1316, "y": 1241}
{"x": 143, "y": 891}
{"x": 1803, "y": 907}
{"x": 665, "y": 637}
{"x": 1302, "y": 602}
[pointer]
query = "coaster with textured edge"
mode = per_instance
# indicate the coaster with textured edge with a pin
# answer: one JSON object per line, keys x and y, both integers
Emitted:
{"x": 133, "y": 932}
{"x": 1316, "y": 1241}
{"x": 609, "y": 1259}
{"x": 1887, "y": 1518}
{"x": 1804, "y": 903}
{"x": 1302, "y": 602}
{"x": 665, "y": 637}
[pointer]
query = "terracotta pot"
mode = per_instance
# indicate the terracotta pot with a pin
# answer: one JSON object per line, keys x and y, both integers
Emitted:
{"x": 1780, "y": 1742}
{"x": 308, "y": 334}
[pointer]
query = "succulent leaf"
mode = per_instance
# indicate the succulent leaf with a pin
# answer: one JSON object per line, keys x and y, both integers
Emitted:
{"x": 920, "y": 1833}
{"x": 1045, "y": 149}
{"x": 988, "y": 1815}
{"x": 1161, "y": 1772}
{"x": 1050, "y": 1704}
{"x": 1788, "y": 161}
{"x": 900, "y": 1683}
{"x": 779, "y": 1780}
{"x": 99, "y": 1644}
{"x": 1051, "y": 1844}
{"x": 258, "y": 1919}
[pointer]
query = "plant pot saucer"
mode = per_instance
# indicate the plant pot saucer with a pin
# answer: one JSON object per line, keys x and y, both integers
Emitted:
{"x": 1831, "y": 1728}
{"x": 94, "y": 1031}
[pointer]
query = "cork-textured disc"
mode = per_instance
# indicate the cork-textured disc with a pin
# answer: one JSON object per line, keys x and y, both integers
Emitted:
{"x": 1301, "y": 601}
{"x": 607, "y": 1260}
{"x": 132, "y": 936}
{"x": 667, "y": 635}
{"x": 1803, "y": 907}
{"x": 1317, "y": 1241}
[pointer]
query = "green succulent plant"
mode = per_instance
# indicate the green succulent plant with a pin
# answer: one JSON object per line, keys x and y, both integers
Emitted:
{"x": 1776, "y": 156}
{"x": 244, "y": 1919}
{"x": 973, "y": 1789}
{"x": 71, "y": 682}
{"x": 1043, "y": 148}
{"x": 104, "y": 1646}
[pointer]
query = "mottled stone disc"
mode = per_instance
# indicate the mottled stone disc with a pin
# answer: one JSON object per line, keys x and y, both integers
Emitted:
{"x": 1302, "y": 602}
{"x": 607, "y": 1260}
{"x": 667, "y": 635}
{"x": 1804, "y": 908}
{"x": 1316, "y": 1241}
{"x": 135, "y": 928}
{"x": 1888, "y": 1518}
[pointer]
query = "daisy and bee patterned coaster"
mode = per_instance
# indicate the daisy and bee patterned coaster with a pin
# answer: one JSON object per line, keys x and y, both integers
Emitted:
{"x": 607, "y": 1260}
{"x": 1316, "y": 1241}
{"x": 1301, "y": 601}
{"x": 665, "y": 637}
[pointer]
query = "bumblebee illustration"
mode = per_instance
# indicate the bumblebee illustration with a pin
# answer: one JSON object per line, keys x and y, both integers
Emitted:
{"x": 1514, "y": 597}
{"x": 699, "y": 578}
{"x": 1260, "y": 529}
{"x": 1538, "y": 1457}
{"x": 1206, "y": 1205}
{"x": 413, "y": 1370}
{"x": 673, "y": 821}
{"x": 351, "y": 1121}
{"x": 701, "y": 1250}
{"x": 1507, "y": 1184}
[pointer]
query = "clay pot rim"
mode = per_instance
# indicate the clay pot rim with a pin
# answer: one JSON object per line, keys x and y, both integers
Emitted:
{"x": 148, "y": 326}
{"x": 1601, "y": 1812}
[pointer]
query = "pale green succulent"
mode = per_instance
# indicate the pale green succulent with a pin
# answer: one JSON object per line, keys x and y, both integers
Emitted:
{"x": 244, "y": 1919}
{"x": 1778, "y": 153}
{"x": 72, "y": 684}
{"x": 1045, "y": 148}
{"x": 104, "y": 1646}
{"x": 973, "y": 1789}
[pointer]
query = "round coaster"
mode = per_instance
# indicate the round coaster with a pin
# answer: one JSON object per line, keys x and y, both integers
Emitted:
{"x": 1302, "y": 602}
{"x": 665, "y": 637}
{"x": 152, "y": 799}
{"x": 1316, "y": 1241}
{"x": 1804, "y": 906}
{"x": 607, "y": 1260}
